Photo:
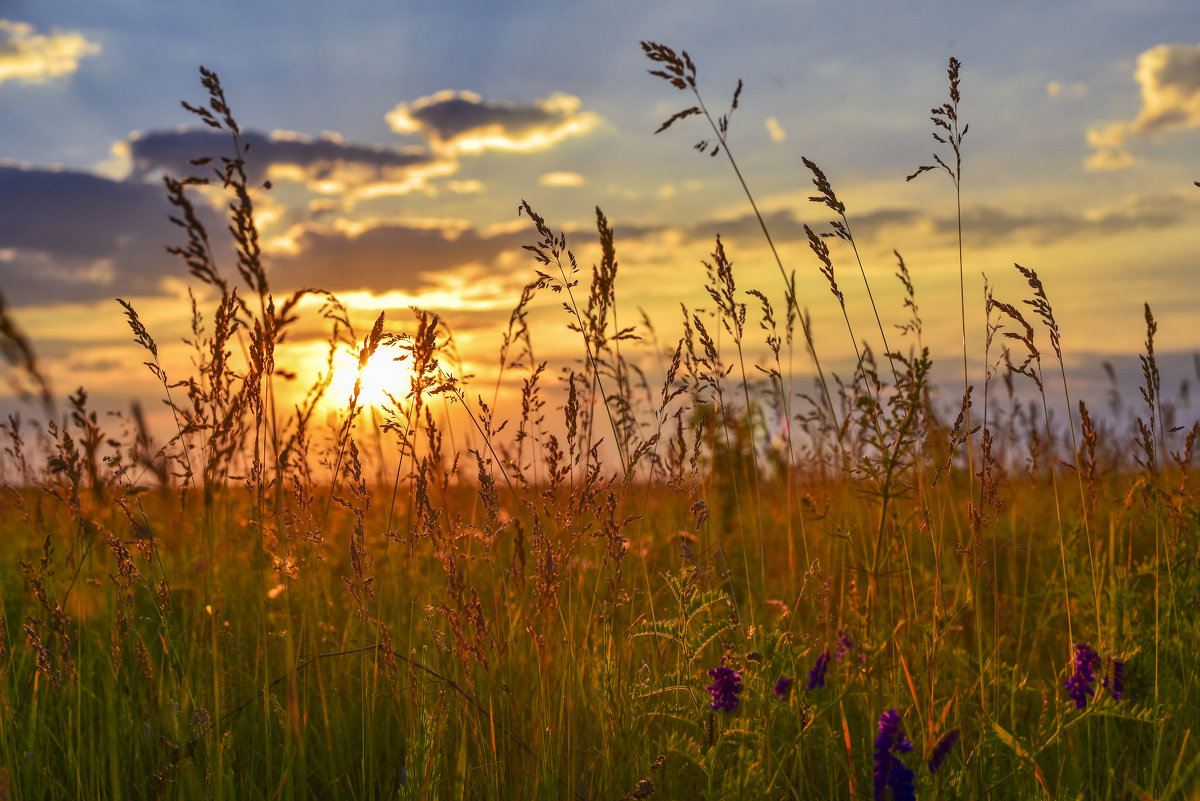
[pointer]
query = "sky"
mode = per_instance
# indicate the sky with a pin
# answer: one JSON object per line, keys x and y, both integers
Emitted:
{"x": 399, "y": 138}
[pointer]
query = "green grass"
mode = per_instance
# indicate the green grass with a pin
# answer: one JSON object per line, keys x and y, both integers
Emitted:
{"x": 265, "y": 608}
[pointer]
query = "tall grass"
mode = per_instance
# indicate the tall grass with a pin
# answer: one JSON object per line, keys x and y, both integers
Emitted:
{"x": 569, "y": 601}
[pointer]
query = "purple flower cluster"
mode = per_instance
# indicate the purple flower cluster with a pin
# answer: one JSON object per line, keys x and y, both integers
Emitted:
{"x": 1080, "y": 684}
{"x": 942, "y": 749}
{"x": 726, "y": 686}
{"x": 816, "y": 676}
{"x": 783, "y": 688}
{"x": 890, "y": 772}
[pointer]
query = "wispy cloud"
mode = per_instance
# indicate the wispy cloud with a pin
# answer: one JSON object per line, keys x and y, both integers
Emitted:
{"x": 463, "y": 122}
{"x": 31, "y": 57}
{"x": 1169, "y": 77}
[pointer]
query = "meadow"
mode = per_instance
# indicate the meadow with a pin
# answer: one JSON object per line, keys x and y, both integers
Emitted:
{"x": 638, "y": 584}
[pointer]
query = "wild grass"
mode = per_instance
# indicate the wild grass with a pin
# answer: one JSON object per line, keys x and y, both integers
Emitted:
{"x": 631, "y": 587}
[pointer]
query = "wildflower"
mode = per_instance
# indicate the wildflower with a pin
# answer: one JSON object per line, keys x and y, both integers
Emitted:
{"x": 845, "y": 645}
{"x": 890, "y": 772}
{"x": 726, "y": 686}
{"x": 942, "y": 749}
{"x": 1115, "y": 683}
{"x": 816, "y": 676}
{"x": 1079, "y": 685}
{"x": 783, "y": 688}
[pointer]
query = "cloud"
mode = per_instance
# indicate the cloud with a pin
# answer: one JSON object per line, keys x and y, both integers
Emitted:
{"x": 70, "y": 213}
{"x": 986, "y": 226}
{"x": 324, "y": 165}
{"x": 74, "y": 236}
{"x": 31, "y": 57}
{"x": 384, "y": 257}
{"x": 1109, "y": 159}
{"x": 983, "y": 226}
{"x": 463, "y": 122}
{"x": 786, "y": 226}
{"x": 563, "y": 179}
{"x": 775, "y": 130}
{"x": 1169, "y": 77}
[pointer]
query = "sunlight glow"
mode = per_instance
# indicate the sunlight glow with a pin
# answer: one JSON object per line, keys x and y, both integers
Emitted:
{"x": 382, "y": 375}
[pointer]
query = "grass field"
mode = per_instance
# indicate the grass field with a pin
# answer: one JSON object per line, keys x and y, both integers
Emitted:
{"x": 638, "y": 586}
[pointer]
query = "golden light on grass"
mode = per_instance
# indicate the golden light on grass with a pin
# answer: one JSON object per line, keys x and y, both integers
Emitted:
{"x": 288, "y": 600}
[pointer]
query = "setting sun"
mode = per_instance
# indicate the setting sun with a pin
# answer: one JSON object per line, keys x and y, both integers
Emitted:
{"x": 385, "y": 373}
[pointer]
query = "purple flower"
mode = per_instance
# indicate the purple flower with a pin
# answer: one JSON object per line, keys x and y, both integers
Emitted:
{"x": 816, "y": 676}
{"x": 783, "y": 688}
{"x": 1115, "y": 684}
{"x": 942, "y": 749}
{"x": 1079, "y": 685}
{"x": 890, "y": 772}
{"x": 726, "y": 686}
{"x": 844, "y": 645}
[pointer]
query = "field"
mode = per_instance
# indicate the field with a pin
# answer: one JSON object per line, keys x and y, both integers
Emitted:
{"x": 720, "y": 579}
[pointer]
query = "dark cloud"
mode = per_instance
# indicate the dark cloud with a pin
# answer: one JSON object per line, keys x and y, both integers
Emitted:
{"x": 787, "y": 226}
{"x": 385, "y": 257}
{"x": 170, "y": 151}
{"x": 983, "y": 226}
{"x": 465, "y": 122}
{"x": 72, "y": 213}
{"x": 74, "y": 236}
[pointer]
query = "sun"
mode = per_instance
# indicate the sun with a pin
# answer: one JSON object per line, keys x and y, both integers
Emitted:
{"x": 383, "y": 374}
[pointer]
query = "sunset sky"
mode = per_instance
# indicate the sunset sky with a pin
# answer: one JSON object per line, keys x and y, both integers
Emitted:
{"x": 400, "y": 137}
